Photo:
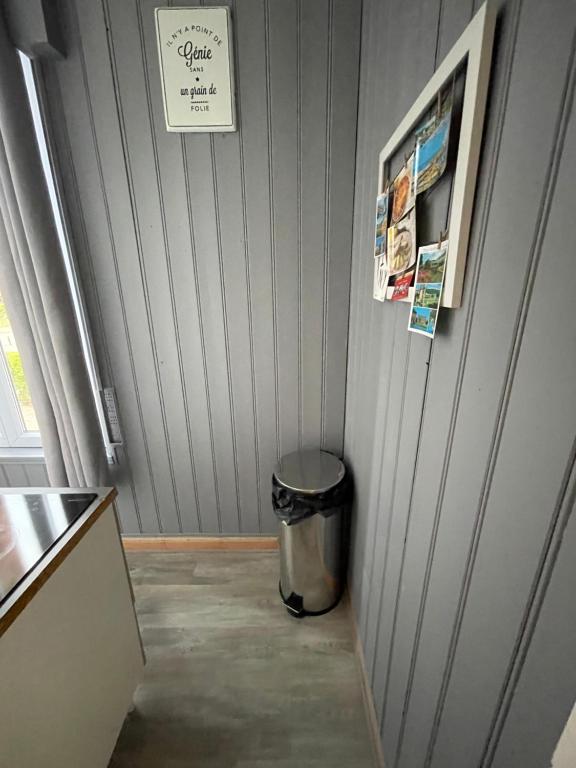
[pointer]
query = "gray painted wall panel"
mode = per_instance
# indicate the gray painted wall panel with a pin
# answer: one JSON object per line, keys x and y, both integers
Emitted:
{"x": 208, "y": 263}
{"x": 16, "y": 473}
{"x": 387, "y": 578}
{"x": 542, "y": 671}
{"x": 234, "y": 286}
{"x": 216, "y": 273}
{"x": 539, "y": 414}
{"x": 194, "y": 449}
{"x": 478, "y": 397}
{"x": 383, "y": 445}
{"x": 341, "y": 130}
{"x": 255, "y": 165}
{"x": 96, "y": 248}
{"x": 282, "y": 72}
{"x": 144, "y": 177}
{"x": 36, "y": 475}
{"x": 360, "y": 422}
{"x": 446, "y": 575}
{"x": 312, "y": 169}
{"x": 93, "y": 147}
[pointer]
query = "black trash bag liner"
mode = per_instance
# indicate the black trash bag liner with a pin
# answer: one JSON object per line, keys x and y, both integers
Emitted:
{"x": 291, "y": 506}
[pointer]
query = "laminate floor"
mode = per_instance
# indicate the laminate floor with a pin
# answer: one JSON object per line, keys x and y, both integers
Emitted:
{"x": 232, "y": 681}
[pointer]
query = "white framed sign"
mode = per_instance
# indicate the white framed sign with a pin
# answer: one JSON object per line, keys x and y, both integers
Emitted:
{"x": 196, "y": 68}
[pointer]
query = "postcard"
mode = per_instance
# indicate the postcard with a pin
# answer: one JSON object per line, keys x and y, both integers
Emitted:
{"x": 380, "y": 278}
{"x": 403, "y": 196}
{"x": 431, "y": 263}
{"x": 402, "y": 286}
{"x": 428, "y": 295}
{"x": 430, "y": 270}
{"x": 423, "y": 320}
{"x": 381, "y": 224}
{"x": 402, "y": 244}
{"x": 431, "y": 151}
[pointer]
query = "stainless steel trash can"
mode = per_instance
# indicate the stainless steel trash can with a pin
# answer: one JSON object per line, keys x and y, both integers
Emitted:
{"x": 311, "y": 497}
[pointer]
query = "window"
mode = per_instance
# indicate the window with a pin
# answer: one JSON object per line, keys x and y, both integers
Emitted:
{"x": 18, "y": 424}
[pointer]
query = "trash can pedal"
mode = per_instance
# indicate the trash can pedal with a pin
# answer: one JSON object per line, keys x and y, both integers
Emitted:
{"x": 294, "y": 604}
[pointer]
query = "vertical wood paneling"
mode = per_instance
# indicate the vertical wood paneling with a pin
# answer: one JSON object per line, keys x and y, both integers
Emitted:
{"x": 217, "y": 273}
{"x": 344, "y": 61}
{"x": 525, "y": 483}
{"x": 415, "y": 62}
{"x": 37, "y": 475}
{"x": 543, "y": 674}
{"x": 15, "y": 474}
{"x": 235, "y": 304}
{"x": 149, "y": 229}
{"x": 78, "y": 156}
{"x": 462, "y": 450}
{"x": 355, "y": 436}
{"x": 90, "y": 123}
{"x": 478, "y": 396}
{"x": 250, "y": 36}
{"x": 396, "y": 361}
{"x": 360, "y": 427}
{"x": 388, "y": 566}
{"x": 313, "y": 96}
{"x": 195, "y": 443}
{"x": 171, "y": 186}
{"x": 282, "y": 20}
{"x": 208, "y": 263}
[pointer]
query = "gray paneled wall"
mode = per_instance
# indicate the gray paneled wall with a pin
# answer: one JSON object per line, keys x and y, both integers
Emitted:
{"x": 22, "y": 474}
{"x": 463, "y": 449}
{"x": 216, "y": 267}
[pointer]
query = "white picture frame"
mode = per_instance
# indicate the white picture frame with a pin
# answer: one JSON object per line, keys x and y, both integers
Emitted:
{"x": 207, "y": 69}
{"x": 474, "y": 48}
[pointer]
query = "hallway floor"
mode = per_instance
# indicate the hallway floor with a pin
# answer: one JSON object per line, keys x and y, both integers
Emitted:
{"x": 232, "y": 681}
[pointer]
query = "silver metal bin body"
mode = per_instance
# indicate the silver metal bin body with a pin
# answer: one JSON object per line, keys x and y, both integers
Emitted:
{"x": 311, "y": 494}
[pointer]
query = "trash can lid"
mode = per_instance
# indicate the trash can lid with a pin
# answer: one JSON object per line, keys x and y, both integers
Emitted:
{"x": 309, "y": 471}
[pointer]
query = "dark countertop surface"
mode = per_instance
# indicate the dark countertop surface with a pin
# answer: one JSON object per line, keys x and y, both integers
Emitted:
{"x": 39, "y": 528}
{"x": 31, "y": 525}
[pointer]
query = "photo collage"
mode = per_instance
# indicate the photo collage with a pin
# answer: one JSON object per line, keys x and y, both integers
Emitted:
{"x": 397, "y": 258}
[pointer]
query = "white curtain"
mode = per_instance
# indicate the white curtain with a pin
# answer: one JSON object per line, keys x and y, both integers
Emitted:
{"x": 35, "y": 288}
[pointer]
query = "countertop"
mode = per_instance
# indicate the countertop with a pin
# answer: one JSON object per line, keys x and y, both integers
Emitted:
{"x": 38, "y": 528}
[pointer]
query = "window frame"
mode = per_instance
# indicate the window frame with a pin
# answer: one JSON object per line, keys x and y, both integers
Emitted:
{"x": 13, "y": 430}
